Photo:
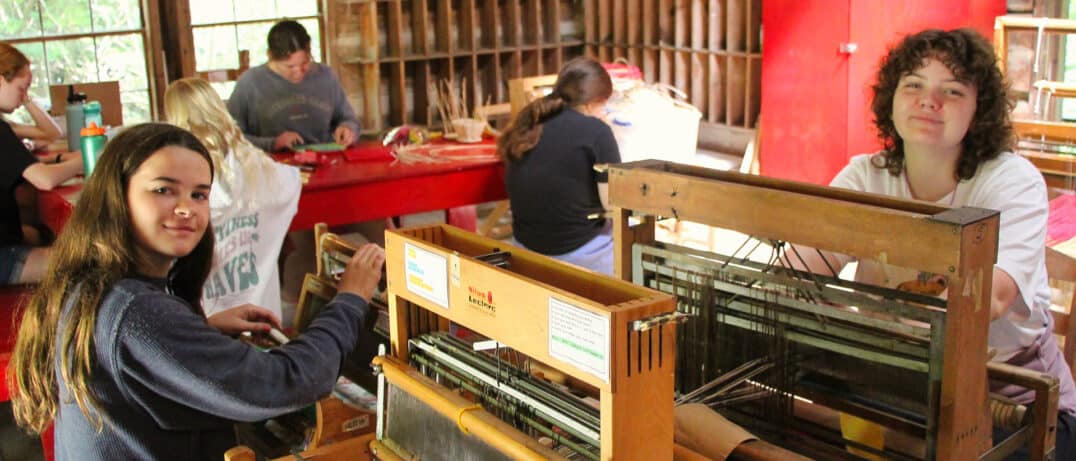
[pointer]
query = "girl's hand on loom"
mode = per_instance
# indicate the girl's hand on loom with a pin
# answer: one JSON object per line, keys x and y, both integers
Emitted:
{"x": 363, "y": 271}
{"x": 246, "y": 317}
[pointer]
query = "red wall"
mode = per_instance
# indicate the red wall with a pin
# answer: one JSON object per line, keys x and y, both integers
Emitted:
{"x": 816, "y": 100}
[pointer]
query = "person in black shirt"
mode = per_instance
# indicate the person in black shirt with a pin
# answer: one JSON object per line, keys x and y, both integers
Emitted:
{"x": 557, "y": 198}
{"x": 20, "y": 263}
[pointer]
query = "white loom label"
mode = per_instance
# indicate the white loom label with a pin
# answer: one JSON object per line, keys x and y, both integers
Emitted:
{"x": 427, "y": 274}
{"x": 579, "y": 337}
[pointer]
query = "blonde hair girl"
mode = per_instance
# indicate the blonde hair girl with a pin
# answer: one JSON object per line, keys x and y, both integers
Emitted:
{"x": 192, "y": 104}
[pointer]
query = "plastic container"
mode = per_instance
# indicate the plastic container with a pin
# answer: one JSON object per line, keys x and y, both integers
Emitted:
{"x": 654, "y": 122}
{"x": 91, "y": 112}
{"x": 93, "y": 142}
{"x": 75, "y": 116}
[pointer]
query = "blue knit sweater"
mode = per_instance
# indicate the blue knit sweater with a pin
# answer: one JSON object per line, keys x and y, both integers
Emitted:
{"x": 170, "y": 386}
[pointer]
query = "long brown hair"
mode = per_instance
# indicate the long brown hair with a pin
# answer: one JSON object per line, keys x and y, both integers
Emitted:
{"x": 971, "y": 59}
{"x": 95, "y": 250}
{"x": 12, "y": 61}
{"x": 581, "y": 81}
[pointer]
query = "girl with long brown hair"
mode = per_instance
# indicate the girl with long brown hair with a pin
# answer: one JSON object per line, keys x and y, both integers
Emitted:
{"x": 113, "y": 345}
{"x": 550, "y": 149}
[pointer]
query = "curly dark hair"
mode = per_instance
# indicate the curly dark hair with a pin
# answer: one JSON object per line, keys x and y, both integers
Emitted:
{"x": 971, "y": 59}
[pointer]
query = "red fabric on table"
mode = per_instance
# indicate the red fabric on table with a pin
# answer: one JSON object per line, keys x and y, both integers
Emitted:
{"x": 1061, "y": 225}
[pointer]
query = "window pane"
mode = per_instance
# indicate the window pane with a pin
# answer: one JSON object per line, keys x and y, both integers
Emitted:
{"x": 212, "y": 11}
{"x": 19, "y": 21}
{"x": 214, "y": 48}
{"x": 71, "y": 61}
{"x": 253, "y": 37}
{"x": 65, "y": 17}
{"x": 1068, "y": 109}
{"x": 295, "y": 9}
{"x": 224, "y": 89}
{"x": 248, "y": 10}
{"x": 109, "y": 15}
{"x": 314, "y": 30}
{"x": 124, "y": 61}
{"x": 135, "y": 107}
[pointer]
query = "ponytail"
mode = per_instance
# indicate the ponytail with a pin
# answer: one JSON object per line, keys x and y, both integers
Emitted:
{"x": 525, "y": 131}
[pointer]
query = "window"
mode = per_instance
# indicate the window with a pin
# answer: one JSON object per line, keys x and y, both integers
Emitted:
{"x": 222, "y": 28}
{"x": 80, "y": 41}
{"x": 1068, "y": 107}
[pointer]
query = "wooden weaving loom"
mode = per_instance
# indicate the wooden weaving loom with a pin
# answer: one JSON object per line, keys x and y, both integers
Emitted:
{"x": 608, "y": 337}
{"x": 912, "y": 363}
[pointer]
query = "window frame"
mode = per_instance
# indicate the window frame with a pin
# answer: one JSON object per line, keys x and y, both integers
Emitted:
{"x": 168, "y": 44}
{"x": 150, "y": 33}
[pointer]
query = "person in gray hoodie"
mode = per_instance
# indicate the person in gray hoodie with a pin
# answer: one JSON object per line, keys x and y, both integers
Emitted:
{"x": 292, "y": 100}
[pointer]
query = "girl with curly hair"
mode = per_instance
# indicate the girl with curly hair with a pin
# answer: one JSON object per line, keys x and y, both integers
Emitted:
{"x": 942, "y": 111}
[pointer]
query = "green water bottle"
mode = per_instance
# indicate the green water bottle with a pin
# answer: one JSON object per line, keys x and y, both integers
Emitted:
{"x": 91, "y": 113}
{"x": 93, "y": 142}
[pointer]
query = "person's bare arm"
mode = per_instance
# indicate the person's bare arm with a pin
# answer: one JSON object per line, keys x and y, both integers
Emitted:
{"x": 44, "y": 127}
{"x": 46, "y": 176}
{"x": 808, "y": 259}
{"x": 1003, "y": 292}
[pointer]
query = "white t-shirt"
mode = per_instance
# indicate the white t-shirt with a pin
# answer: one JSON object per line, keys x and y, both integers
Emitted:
{"x": 249, "y": 238}
{"x": 1009, "y": 184}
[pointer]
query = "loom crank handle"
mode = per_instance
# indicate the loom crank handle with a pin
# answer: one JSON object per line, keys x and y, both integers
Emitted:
{"x": 659, "y": 320}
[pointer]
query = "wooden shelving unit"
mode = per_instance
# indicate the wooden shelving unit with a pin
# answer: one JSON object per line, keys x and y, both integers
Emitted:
{"x": 710, "y": 49}
{"x": 395, "y": 48}
{"x": 1059, "y": 170}
{"x": 400, "y": 47}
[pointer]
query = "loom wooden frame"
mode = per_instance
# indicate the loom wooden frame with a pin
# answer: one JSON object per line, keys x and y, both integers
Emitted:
{"x": 960, "y": 243}
{"x": 636, "y": 399}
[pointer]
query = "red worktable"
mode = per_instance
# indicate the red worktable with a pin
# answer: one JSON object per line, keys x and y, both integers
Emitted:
{"x": 361, "y": 184}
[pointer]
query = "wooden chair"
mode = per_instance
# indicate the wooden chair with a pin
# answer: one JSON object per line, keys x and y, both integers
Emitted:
{"x": 1041, "y": 424}
{"x": 353, "y": 449}
{"x": 521, "y": 91}
{"x": 228, "y": 75}
{"x": 108, "y": 93}
{"x": 1062, "y": 267}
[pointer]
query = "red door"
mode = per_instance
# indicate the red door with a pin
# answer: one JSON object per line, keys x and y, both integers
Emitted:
{"x": 815, "y": 98}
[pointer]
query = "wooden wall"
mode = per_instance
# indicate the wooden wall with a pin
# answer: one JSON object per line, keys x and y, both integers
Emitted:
{"x": 710, "y": 49}
{"x": 387, "y": 52}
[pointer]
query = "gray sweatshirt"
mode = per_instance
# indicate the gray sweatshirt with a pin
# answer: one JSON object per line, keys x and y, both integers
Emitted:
{"x": 170, "y": 386}
{"x": 264, "y": 105}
